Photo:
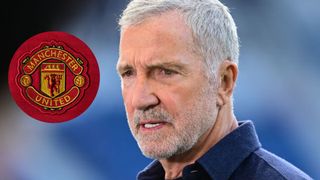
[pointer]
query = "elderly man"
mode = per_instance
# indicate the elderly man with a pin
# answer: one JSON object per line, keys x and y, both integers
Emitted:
{"x": 178, "y": 67}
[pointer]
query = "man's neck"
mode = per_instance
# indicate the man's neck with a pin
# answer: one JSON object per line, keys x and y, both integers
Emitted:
{"x": 225, "y": 123}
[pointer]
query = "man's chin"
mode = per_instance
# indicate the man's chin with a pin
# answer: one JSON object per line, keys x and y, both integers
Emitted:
{"x": 156, "y": 151}
{"x": 157, "y": 155}
{"x": 162, "y": 152}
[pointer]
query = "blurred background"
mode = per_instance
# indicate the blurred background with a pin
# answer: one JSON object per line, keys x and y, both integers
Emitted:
{"x": 278, "y": 88}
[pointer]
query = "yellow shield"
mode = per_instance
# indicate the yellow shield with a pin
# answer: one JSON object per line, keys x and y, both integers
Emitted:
{"x": 53, "y": 79}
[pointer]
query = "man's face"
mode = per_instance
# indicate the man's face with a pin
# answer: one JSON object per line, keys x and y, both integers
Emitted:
{"x": 169, "y": 101}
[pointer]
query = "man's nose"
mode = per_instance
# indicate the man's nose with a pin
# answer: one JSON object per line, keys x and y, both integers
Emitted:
{"x": 143, "y": 95}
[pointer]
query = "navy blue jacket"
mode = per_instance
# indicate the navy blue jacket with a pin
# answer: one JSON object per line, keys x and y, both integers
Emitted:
{"x": 239, "y": 155}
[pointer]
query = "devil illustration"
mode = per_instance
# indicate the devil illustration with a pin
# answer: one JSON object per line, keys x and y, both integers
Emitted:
{"x": 53, "y": 83}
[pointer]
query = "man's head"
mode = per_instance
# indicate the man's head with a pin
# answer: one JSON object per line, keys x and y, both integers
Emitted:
{"x": 178, "y": 67}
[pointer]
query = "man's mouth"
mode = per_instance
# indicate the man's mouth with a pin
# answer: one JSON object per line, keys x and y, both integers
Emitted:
{"x": 151, "y": 125}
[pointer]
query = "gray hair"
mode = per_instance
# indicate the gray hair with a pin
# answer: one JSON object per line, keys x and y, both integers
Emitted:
{"x": 214, "y": 31}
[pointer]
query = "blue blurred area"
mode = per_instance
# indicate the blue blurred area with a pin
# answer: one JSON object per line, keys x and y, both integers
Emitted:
{"x": 278, "y": 88}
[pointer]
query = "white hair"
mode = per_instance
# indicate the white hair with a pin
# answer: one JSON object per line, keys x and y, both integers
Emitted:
{"x": 214, "y": 31}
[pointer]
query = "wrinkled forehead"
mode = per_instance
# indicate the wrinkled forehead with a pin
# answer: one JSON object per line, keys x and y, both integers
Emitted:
{"x": 158, "y": 37}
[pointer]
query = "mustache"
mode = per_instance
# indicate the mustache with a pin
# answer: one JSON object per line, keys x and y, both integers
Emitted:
{"x": 154, "y": 114}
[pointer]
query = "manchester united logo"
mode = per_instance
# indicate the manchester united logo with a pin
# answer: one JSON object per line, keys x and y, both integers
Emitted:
{"x": 53, "y": 77}
{"x": 50, "y": 90}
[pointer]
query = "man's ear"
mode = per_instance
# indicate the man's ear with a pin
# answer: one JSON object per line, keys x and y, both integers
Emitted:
{"x": 227, "y": 76}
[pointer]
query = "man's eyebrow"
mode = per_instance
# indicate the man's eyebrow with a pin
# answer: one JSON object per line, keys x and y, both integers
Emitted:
{"x": 164, "y": 65}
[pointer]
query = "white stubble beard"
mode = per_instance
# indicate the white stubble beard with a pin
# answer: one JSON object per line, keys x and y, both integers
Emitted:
{"x": 198, "y": 119}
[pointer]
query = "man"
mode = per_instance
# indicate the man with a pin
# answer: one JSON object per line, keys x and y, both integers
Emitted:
{"x": 178, "y": 67}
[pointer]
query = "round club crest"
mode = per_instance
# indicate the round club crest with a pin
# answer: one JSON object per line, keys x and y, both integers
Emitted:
{"x": 53, "y": 77}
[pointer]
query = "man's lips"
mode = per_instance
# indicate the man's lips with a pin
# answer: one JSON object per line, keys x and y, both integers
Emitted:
{"x": 151, "y": 124}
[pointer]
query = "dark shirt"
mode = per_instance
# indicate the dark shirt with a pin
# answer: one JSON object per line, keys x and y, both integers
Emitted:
{"x": 238, "y": 155}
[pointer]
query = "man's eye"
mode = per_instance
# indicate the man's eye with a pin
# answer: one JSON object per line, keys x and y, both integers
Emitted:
{"x": 167, "y": 72}
{"x": 127, "y": 73}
